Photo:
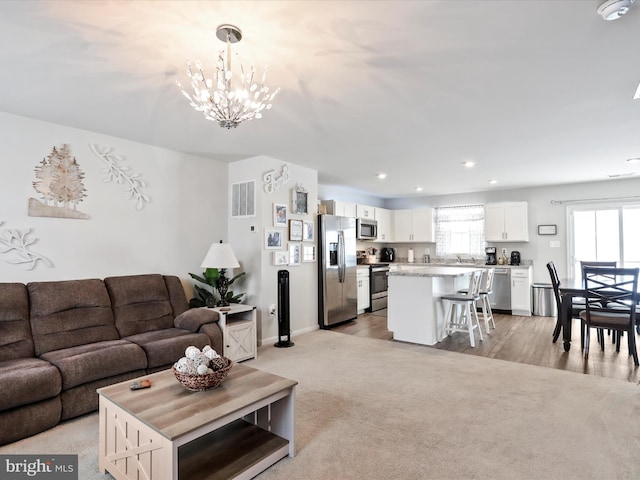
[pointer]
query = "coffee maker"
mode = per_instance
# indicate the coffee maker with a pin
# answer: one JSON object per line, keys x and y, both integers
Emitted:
{"x": 387, "y": 254}
{"x": 515, "y": 258}
{"x": 490, "y": 256}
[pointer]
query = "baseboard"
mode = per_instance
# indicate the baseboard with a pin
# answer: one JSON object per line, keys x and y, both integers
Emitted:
{"x": 273, "y": 340}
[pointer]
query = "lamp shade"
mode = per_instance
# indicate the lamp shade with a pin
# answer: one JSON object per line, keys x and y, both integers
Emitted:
{"x": 220, "y": 255}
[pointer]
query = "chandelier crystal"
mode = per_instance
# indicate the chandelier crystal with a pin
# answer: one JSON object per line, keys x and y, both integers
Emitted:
{"x": 217, "y": 97}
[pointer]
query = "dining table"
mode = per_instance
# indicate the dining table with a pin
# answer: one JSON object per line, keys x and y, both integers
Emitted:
{"x": 569, "y": 289}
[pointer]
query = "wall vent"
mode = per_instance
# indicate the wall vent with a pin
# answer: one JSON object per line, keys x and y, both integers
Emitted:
{"x": 243, "y": 199}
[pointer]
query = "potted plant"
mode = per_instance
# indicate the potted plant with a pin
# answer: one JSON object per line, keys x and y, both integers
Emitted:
{"x": 216, "y": 292}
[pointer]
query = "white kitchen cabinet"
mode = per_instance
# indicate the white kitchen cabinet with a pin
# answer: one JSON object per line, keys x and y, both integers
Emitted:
{"x": 385, "y": 225}
{"x": 364, "y": 296}
{"x": 521, "y": 291}
{"x": 506, "y": 222}
{"x": 365, "y": 211}
{"x": 342, "y": 209}
{"x": 413, "y": 225}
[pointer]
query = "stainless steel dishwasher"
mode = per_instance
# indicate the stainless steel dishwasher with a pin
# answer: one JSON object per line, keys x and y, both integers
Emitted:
{"x": 500, "y": 299}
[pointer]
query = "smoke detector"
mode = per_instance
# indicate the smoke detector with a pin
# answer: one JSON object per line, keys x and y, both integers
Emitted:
{"x": 614, "y": 9}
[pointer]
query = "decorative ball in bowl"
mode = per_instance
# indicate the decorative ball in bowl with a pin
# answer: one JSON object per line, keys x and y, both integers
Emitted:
{"x": 201, "y": 370}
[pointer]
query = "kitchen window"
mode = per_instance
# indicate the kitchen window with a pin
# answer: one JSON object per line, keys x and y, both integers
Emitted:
{"x": 460, "y": 230}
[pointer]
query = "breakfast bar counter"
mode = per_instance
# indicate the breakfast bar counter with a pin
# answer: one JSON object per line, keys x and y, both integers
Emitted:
{"x": 415, "y": 311}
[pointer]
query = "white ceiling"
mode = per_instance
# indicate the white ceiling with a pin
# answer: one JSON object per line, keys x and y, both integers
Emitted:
{"x": 536, "y": 92}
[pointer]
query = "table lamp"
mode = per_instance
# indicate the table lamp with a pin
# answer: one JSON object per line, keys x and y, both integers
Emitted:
{"x": 221, "y": 256}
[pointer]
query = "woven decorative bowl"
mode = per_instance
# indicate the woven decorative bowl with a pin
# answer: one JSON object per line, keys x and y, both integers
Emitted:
{"x": 200, "y": 383}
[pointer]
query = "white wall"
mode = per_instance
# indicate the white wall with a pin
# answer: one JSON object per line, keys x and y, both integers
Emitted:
{"x": 248, "y": 244}
{"x": 170, "y": 235}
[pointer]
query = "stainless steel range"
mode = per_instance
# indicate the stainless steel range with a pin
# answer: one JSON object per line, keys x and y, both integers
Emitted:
{"x": 378, "y": 283}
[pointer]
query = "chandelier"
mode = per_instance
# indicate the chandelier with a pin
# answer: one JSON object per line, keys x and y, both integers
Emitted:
{"x": 221, "y": 99}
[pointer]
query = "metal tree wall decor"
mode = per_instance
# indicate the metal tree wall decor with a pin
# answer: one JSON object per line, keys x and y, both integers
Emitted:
{"x": 18, "y": 243}
{"x": 120, "y": 174}
{"x": 59, "y": 183}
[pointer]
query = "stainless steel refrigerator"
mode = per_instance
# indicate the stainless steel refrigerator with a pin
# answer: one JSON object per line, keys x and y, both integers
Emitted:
{"x": 337, "y": 284}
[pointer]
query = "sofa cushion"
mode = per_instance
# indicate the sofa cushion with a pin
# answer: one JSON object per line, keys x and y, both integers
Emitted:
{"x": 84, "y": 398}
{"x": 165, "y": 347}
{"x": 177, "y": 296}
{"x": 94, "y": 361}
{"x": 140, "y": 303}
{"x": 27, "y": 380}
{"x": 22, "y": 422}
{"x": 15, "y": 330}
{"x": 69, "y": 313}
{"x": 194, "y": 318}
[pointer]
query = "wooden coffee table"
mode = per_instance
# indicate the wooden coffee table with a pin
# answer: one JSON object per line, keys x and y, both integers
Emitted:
{"x": 235, "y": 430}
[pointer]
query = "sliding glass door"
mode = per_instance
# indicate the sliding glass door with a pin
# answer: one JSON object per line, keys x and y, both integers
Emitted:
{"x": 604, "y": 233}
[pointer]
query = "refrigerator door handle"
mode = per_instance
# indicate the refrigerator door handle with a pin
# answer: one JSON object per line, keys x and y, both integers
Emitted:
{"x": 341, "y": 259}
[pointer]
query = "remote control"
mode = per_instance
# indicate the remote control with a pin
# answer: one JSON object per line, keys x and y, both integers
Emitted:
{"x": 140, "y": 385}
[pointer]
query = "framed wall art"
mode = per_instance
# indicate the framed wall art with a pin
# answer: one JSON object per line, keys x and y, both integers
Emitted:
{"x": 308, "y": 253}
{"x": 280, "y": 215}
{"x": 299, "y": 200}
{"x": 295, "y": 255}
{"x": 295, "y": 230}
{"x": 272, "y": 239}
{"x": 281, "y": 258}
{"x": 307, "y": 231}
{"x": 547, "y": 230}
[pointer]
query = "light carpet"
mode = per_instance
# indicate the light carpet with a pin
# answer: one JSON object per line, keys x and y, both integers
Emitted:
{"x": 374, "y": 409}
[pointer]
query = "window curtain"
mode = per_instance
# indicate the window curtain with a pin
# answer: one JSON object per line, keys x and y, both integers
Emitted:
{"x": 460, "y": 230}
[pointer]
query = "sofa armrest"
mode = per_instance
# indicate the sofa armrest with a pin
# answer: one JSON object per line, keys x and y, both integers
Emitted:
{"x": 194, "y": 318}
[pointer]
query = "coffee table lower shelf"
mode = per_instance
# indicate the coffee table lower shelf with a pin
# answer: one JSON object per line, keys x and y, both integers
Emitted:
{"x": 231, "y": 452}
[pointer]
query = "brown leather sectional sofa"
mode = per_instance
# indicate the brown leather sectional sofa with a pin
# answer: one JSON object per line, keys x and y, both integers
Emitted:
{"x": 60, "y": 341}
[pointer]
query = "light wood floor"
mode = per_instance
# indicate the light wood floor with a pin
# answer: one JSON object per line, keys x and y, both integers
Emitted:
{"x": 520, "y": 339}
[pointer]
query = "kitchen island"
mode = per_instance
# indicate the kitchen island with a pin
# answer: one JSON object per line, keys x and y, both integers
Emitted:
{"x": 416, "y": 311}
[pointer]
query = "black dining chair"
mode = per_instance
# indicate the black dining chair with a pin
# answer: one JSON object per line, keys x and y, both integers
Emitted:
{"x": 576, "y": 307}
{"x": 611, "y": 297}
{"x": 593, "y": 263}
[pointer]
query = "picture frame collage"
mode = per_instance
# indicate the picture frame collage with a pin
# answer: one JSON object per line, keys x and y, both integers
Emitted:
{"x": 298, "y": 232}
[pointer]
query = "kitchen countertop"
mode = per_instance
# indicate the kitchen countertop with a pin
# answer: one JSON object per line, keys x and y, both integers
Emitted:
{"x": 427, "y": 270}
{"x": 456, "y": 265}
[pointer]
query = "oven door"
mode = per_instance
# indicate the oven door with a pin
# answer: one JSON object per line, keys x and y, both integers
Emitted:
{"x": 378, "y": 284}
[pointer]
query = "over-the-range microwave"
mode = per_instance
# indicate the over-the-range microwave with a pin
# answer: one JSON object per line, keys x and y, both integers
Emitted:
{"x": 366, "y": 229}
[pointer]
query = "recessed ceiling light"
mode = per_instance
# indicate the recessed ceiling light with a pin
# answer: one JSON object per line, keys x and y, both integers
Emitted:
{"x": 382, "y": 176}
{"x": 637, "y": 95}
{"x": 634, "y": 160}
{"x": 418, "y": 189}
{"x": 493, "y": 182}
{"x": 468, "y": 163}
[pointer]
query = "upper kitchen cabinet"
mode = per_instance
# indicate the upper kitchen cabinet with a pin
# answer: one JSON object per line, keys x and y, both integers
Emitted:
{"x": 385, "y": 225}
{"x": 365, "y": 211}
{"x": 506, "y": 222}
{"x": 413, "y": 225}
{"x": 342, "y": 209}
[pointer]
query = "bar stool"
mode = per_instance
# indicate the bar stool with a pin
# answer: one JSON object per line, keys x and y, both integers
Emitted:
{"x": 485, "y": 291}
{"x": 462, "y": 312}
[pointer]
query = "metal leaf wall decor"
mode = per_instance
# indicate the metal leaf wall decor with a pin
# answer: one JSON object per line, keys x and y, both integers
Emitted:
{"x": 117, "y": 173}
{"x": 18, "y": 242}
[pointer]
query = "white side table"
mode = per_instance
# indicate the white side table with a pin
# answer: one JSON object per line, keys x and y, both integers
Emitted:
{"x": 239, "y": 331}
